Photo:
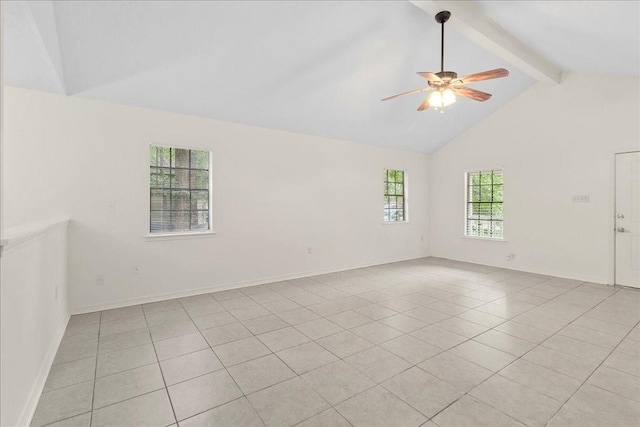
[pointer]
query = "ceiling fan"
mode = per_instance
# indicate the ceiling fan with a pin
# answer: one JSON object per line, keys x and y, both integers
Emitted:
{"x": 446, "y": 84}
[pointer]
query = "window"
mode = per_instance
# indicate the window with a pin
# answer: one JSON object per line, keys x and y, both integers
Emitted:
{"x": 395, "y": 201}
{"x": 179, "y": 186}
{"x": 484, "y": 214}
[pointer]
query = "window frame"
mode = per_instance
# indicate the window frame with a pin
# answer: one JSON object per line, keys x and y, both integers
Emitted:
{"x": 186, "y": 233}
{"x": 405, "y": 196}
{"x": 466, "y": 204}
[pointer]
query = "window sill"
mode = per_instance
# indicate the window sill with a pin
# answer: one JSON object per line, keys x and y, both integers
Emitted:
{"x": 178, "y": 236}
{"x": 486, "y": 239}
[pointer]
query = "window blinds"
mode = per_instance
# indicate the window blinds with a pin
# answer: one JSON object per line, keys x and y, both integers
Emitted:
{"x": 394, "y": 196}
{"x": 179, "y": 186}
{"x": 484, "y": 204}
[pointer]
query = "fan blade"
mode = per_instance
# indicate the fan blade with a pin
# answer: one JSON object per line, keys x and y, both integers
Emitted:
{"x": 424, "y": 105}
{"x": 485, "y": 75}
{"x": 474, "y": 94}
{"x": 407, "y": 93}
{"x": 430, "y": 76}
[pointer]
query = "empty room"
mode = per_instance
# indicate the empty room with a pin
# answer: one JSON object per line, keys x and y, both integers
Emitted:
{"x": 320, "y": 213}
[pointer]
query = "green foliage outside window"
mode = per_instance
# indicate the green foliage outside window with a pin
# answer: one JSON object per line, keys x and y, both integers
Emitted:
{"x": 394, "y": 196}
{"x": 179, "y": 185}
{"x": 485, "y": 200}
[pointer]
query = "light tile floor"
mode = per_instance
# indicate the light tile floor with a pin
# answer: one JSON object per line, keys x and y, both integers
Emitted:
{"x": 426, "y": 342}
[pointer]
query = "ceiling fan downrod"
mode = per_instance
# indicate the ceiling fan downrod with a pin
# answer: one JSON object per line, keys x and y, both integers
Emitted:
{"x": 441, "y": 18}
{"x": 445, "y": 84}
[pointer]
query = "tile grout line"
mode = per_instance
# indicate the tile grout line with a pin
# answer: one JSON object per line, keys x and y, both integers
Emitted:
{"x": 410, "y": 367}
{"x": 466, "y": 393}
{"x": 366, "y": 302}
{"x": 517, "y": 358}
{"x": 593, "y": 371}
{"x": 299, "y": 376}
{"x": 295, "y": 373}
{"x": 223, "y": 367}
{"x": 540, "y": 344}
{"x": 95, "y": 373}
{"x": 372, "y": 320}
{"x": 340, "y": 359}
{"x": 537, "y": 344}
{"x": 155, "y": 351}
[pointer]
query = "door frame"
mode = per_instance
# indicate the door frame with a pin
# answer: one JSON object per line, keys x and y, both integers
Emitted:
{"x": 615, "y": 201}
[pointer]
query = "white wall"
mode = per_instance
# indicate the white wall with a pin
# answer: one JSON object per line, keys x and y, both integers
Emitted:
{"x": 553, "y": 142}
{"x": 275, "y": 194}
{"x": 34, "y": 316}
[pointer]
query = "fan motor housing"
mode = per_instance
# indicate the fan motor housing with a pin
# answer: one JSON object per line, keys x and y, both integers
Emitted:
{"x": 447, "y": 76}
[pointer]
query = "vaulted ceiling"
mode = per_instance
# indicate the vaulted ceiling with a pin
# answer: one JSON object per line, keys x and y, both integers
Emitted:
{"x": 318, "y": 68}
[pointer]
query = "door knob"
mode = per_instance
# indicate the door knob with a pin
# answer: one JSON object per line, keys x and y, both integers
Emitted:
{"x": 620, "y": 230}
{"x": 620, "y": 216}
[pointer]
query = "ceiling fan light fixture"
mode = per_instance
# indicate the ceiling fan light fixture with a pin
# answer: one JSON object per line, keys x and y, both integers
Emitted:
{"x": 441, "y": 99}
{"x": 446, "y": 84}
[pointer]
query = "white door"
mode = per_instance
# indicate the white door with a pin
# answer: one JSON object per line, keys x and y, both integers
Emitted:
{"x": 628, "y": 219}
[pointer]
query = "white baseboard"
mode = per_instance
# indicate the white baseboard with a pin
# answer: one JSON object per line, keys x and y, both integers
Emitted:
{"x": 224, "y": 287}
{"x": 244, "y": 284}
{"x": 34, "y": 397}
{"x": 532, "y": 271}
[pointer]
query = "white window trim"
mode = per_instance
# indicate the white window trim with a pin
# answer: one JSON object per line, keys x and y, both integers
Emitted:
{"x": 179, "y": 234}
{"x": 502, "y": 239}
{"x": 486, "y": 239}
{"x": 406, "y": 197}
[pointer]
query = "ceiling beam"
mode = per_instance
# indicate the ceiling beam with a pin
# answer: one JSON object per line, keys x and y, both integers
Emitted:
{"x": 479, "y": 28}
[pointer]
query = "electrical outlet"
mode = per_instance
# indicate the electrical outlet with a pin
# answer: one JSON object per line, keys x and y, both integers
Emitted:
{"x": 510, "y": 257}
{"x": 100, "y": 280}
{"x": 135, "y": 270}
{"x": 580, "y": 198}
